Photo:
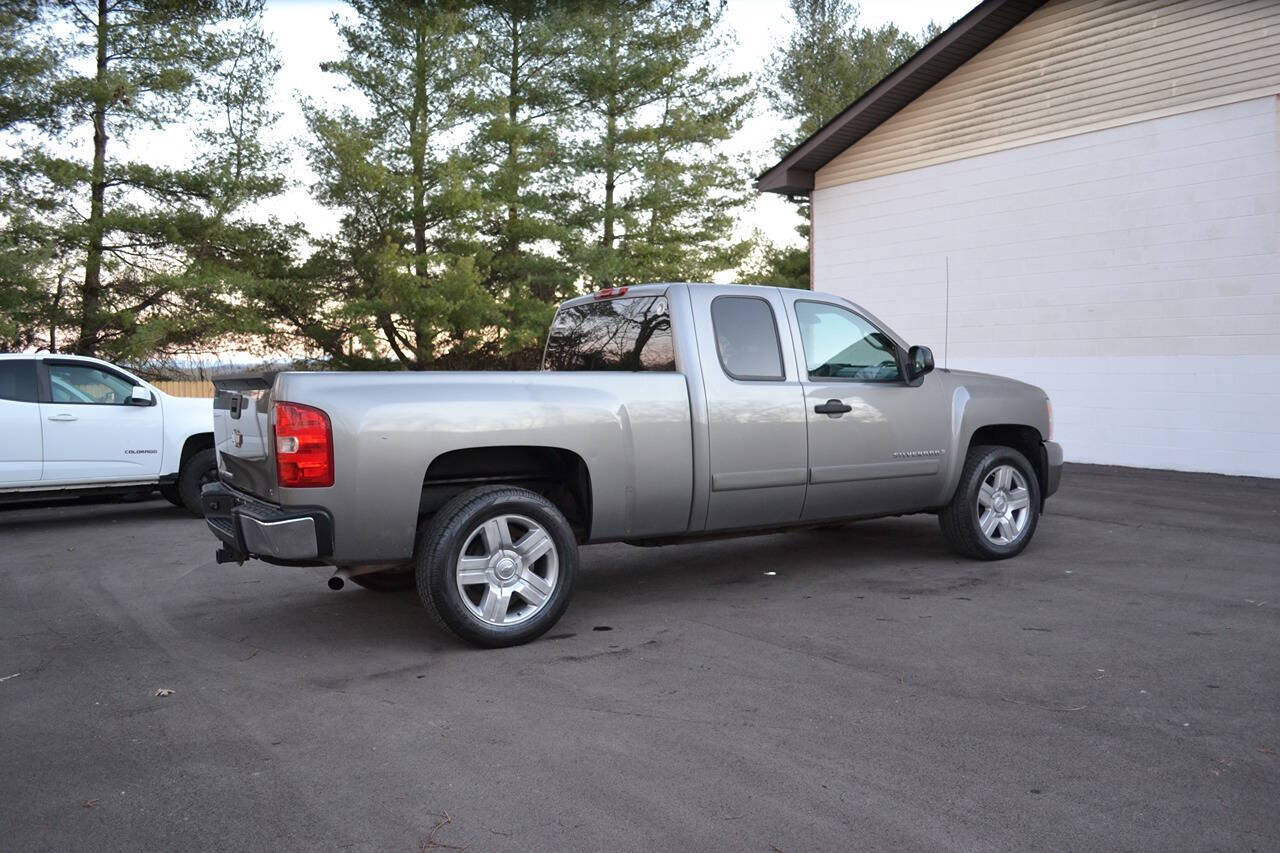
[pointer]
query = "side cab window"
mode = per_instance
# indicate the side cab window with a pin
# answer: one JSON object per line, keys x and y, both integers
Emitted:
{"x": 87, "y": 385}
{"x": 841, "y": 344}
{"x": 18, "y": 380}
{"x": 747, "y": 338}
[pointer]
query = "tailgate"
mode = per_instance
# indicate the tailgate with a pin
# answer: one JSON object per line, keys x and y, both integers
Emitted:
{"x": 242, "y": 433}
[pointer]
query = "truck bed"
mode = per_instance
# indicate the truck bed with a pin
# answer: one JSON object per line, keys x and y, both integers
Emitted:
{"x": 632, "y": 429}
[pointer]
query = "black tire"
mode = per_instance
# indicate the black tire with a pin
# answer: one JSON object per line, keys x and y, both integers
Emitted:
{"x": 200, "y": 468}
{"x": 959, "y": 519}
{"x": 170, "y": 492}
{"x": 442, "y": 538}
{"x": 392, "y": 580}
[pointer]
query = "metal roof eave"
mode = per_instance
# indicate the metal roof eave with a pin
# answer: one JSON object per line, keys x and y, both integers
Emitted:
{"x": 986, "y": 22}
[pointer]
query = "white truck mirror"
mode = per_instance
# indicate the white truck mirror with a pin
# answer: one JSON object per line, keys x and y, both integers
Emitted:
{"x": 140, "y": 396}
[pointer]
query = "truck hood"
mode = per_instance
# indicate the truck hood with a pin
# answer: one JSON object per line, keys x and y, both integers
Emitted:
{"x": 991, "y": 380}
{"x": 991, "y": 399}
{"x": 187, "y": 415}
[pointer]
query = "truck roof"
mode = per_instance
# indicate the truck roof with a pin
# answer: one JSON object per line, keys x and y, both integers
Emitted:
{"x": 658, "y": 288}
{"x": 650, "y": 289}
{"x": 43, "y": 355}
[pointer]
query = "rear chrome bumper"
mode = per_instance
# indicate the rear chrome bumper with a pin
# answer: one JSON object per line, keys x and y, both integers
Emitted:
{"x": 1053, "y": 467}
{"x": 248, "y": 527}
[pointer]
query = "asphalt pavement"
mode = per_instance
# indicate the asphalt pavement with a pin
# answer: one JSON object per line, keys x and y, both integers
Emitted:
{"x": 1115, "y": 687}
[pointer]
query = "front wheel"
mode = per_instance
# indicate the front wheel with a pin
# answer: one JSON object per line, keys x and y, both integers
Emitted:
{"x": 996, "y": 507}
{"x": 496, "y": 565}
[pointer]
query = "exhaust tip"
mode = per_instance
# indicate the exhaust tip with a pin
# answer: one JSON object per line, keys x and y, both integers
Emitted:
{"x": 336, "y": 583}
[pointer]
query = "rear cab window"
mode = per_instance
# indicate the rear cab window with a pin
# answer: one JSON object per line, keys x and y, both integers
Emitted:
{"x": 630, "y": 333}
{"x": 747, "y": 338}
{"x": 18, "y": 380}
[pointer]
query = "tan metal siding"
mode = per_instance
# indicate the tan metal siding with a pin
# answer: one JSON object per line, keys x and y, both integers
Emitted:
{"x": 1076, "y": 66}
{"x": 186, "y": 387}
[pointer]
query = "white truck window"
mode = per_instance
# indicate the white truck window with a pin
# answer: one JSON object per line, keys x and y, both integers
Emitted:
{"x": 18, "y": 380}
{"x": 75, "y": 383}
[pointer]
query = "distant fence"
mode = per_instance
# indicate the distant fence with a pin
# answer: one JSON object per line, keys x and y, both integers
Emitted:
{"x": 186, "y": 387}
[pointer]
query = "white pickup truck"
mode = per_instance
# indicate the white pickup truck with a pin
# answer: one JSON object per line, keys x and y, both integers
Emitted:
{"x": 73, "y": 425}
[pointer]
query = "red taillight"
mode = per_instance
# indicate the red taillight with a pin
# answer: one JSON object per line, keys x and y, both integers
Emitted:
{"x": 304, "y": 446}
{"x": 610, "y": 292}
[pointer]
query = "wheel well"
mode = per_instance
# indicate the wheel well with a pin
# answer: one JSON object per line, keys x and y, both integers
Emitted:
{"x": 561, "y": 476}
{"x": 193, "y": 445}
{"x": 1024, "y": 439}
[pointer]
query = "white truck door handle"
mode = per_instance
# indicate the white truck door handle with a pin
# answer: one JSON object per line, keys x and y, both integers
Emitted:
{"x": 62, "y": 418}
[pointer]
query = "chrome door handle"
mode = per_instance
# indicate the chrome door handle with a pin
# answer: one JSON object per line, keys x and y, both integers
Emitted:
{"x": 834, "y": 408}
{"x": 62, "y": 418}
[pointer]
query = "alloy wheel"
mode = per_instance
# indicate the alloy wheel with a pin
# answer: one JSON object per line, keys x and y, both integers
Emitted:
{"x": 1004, "y": 505}
{"x": 507, "y": 570}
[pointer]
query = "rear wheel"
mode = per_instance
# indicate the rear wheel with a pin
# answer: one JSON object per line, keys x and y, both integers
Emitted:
{"x": 996, "y": 507}
{"x": 200, "y": 468}
{"x": 497, "y": 565}
{"x": 170, "y": 492}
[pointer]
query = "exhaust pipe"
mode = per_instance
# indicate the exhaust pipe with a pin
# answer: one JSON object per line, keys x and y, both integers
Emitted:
{"x": 338, "y": 580}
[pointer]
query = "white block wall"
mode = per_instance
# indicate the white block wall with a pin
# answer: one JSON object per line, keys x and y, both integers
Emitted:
{"x": 1133, "y": 273}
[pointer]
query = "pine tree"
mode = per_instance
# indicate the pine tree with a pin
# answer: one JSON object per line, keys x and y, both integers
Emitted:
{"x": 139, "y": 252}
{"x": 827, "y": 63}
{"x": 27, "y": 66}
{"x": 406, "y": 254}
{"x": 659, "y": 196}
{"x": 783, "y": 266}
{"x": 523, "y": 109}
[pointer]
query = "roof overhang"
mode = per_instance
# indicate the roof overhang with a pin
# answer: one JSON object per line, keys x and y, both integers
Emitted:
{"x": 953, "y": 47}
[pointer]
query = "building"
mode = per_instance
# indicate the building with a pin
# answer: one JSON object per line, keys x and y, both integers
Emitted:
{"x": 1084, "y": 194}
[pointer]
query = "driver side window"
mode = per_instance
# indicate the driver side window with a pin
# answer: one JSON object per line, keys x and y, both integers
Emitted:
{"x": 74, "y": 383}
{"x": 838, "y": 344}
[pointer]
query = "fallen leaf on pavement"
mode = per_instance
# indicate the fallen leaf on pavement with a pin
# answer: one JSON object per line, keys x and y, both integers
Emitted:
{"x": 164, "y": 691}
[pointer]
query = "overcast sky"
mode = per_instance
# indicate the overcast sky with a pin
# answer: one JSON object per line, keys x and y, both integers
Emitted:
{"x": 305, "y": 35}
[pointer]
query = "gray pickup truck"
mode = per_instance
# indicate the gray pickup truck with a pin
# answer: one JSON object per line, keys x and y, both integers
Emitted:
{"x": 663, "y": 412}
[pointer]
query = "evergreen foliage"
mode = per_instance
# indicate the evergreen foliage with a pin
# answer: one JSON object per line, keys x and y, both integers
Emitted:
{"x": 494, "y": 158}
{"x": 109, "y": 247}
{"x": 827, "y": 63}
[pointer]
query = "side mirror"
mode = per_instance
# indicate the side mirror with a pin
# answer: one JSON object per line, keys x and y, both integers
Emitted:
{"x": 140, "y": 396}
{"x": 919, "y": 362}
